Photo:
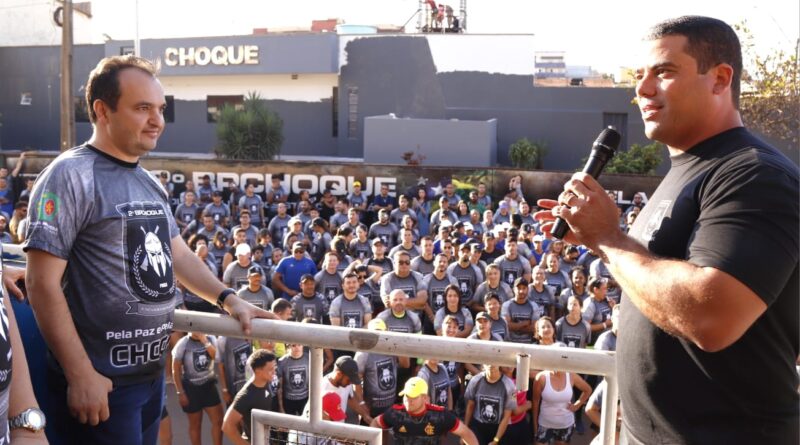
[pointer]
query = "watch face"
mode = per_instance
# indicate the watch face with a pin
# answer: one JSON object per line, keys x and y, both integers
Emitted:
{"x": 35, "y": 419}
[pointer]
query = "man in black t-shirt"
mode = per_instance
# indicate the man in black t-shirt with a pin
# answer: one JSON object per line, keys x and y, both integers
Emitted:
{"x": 709, "y": 337}
{"x": 254, "y": 395}
{"x": 417, "y": 422}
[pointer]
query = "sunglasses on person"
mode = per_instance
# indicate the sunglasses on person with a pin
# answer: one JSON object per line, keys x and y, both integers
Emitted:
{"x": 404, "y": 262}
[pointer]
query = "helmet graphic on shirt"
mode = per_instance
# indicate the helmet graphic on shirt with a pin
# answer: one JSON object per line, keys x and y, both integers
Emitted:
{"x": 385, "y": 371}
{"x": 148, "y": 265}
{"x": 297, "y": 378}
{"x": 490, "y": 407}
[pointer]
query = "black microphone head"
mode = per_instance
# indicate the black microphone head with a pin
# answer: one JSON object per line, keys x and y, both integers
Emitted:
{"x": 608, "y": 138}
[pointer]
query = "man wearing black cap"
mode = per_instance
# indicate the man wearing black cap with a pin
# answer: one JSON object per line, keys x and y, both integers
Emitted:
{"x": 286, "y": 278}
{"x": 521, "y": 314}
{"x": 256, "y": 293}
{"x": 378, "y": 256}
{"x": 308, "y": 303}
{"x": 345, "y": 381}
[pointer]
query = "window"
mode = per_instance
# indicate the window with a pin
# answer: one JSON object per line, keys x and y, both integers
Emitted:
{"x": 79, "y": 109}
{"x": 620, "y": 122}
{"x": 214, "y": 105}
{"x": 352, "y": 112}
{"x": 335, "y": 114}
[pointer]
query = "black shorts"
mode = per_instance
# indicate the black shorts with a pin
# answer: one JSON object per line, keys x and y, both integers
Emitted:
{"x": 201, "y": 396}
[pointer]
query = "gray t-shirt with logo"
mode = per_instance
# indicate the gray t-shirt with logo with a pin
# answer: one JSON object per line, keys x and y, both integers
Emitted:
{"x": 198, "y": 366}
{"x": 351, "y": 312}
{"x": 328, "y": 285}
{"x": 408, "y": 323}
{"x": 111, "y": 221}
{"x": 233, "y": 353}
{"x": 410, "y": 284}
{"x": 438, "y": 383}
{"x": 510, "y": 270}
{"x": 491, "y": 399}
{"x": 467, "y": 278}
{"x": 520, "y": 312}
{"x": 574, "y": 336}
{"x": 294, "y": 374}
{"x": 502, "y": 290}
{"x": 309, "y": 307}
{"x": 380, "y": 378}
{"x": 435, "y": 288}
{"x": 262, "y": 298}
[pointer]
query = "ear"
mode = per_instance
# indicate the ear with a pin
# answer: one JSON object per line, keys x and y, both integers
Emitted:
{"x": 723, "y": 75}
{"x": 100, "y": 108}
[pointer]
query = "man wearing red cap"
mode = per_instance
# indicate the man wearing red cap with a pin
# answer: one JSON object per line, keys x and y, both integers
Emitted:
{"x": 417, "y": 422}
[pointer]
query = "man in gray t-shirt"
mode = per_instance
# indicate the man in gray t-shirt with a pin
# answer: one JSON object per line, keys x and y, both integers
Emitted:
{"x": 232, "y": 354}
{"x": 293, "y": 373}
{"x": 103, "y": 255}
{"x": 520, "y": 314}
{"x": 350, "y": 309}
{"x": 193, "y": 352}
{"x": 254, "y": 292}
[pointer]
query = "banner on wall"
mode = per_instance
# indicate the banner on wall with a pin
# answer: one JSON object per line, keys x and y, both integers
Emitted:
{"x": 339, "y": 177}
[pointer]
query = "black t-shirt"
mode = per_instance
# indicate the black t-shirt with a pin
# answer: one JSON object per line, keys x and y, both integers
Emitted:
{"x": 425, "y": 429}
{"x": 252, "y": 397}
{"x": 730, "y": 203}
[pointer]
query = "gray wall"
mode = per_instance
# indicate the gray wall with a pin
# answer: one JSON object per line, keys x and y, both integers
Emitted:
{"x": 455, "y": 143}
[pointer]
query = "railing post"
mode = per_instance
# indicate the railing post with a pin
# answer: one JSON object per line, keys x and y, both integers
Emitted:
{"x": 315, "y": 387}
{"x": 523, "y": 371}
{"x": 608, "y": 412}
{"x": 259, "y": 432}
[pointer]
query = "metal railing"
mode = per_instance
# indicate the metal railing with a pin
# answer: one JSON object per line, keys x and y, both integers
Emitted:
{"x": 522, "y": 356}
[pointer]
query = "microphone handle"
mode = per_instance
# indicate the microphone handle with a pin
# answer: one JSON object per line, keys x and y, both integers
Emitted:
{"x": 593, "y": 167}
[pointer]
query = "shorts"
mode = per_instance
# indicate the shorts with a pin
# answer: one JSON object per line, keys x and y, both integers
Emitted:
{"x": 201, "y": 396}
{"x": 545, "y": 435}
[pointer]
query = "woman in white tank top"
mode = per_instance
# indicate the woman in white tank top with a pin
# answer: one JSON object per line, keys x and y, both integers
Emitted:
{"x": 553, "y": 411}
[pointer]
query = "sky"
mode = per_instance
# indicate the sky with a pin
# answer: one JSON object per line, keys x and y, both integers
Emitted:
{"x": 603, "y": 34}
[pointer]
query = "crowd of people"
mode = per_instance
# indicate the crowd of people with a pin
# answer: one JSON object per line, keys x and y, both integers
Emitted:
{"x": 372, "y": 263}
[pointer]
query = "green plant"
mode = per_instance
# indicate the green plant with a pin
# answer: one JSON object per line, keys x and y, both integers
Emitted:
{"x": 639, "y": 159}
{"x": 527, "y": 154}
{"x": 253, "y": 132}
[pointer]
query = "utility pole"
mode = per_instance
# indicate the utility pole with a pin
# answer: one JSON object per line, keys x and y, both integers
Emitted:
{"x": 67, "y": 105}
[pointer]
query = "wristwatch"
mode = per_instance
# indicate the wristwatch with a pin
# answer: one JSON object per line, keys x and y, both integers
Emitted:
{"x": 32, "y": 419}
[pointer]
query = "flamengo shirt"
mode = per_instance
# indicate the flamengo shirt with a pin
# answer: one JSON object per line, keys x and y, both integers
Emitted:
{"x": 422, "y": 429}
{"x": 111, "y": 221}
{"x": 731, "y": 203}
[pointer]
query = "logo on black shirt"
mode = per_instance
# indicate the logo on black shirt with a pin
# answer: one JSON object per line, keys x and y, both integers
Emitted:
{"x": 201, "y": 360}
{"x": 240, "y": 355}
{"x": 297, "y": 377}
{"x": 489, "y": 408}
{"x": 148, "y": 257}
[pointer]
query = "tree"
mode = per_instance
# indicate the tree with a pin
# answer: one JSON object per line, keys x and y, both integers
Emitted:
{"x": 527, "y": 154}
{"x": 253, "y": 132}
{"x": 770, "y": 100}
{"x": 639, "y": 159}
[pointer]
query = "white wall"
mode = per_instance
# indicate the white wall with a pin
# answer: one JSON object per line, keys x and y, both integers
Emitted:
{"x": 307, "y": 87}
{"x": 30, "y": 23}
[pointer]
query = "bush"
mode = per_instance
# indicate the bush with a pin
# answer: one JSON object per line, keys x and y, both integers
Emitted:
{"x": 639, "y": 159}
{"x": 527, "y": 154}
{"x": 253, "y": 133}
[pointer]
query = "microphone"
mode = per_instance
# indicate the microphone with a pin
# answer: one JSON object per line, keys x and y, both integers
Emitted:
{"x": 603, "y": 150}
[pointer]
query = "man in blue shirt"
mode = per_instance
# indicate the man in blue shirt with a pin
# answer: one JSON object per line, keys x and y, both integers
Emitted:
{"x": 286, "y": 279}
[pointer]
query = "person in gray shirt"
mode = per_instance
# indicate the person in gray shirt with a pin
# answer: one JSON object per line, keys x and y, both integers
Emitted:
{"x": 453, "y": 308}
{"x": 294, "y": 372}
{"x": 396, "y": 216}
{"x": 406, "y": 245}
{"x": 493, "y": 306}
{"x": 350, "y": 309}
{"x": 597, "y": 309}
{"x": 541, "y": 293}
{"x": 483, "y": 328}
{"x": 328, "y": 280}
{"x": 491, "y": 285}
{"x": 384, "y": 229}
{"x": 255, "y": 293}
{"x": 490, "y": 396}
{"x": 308, "y": 303}
{"x": 195, "y": 382}
{"x": 521, "y": 314}
{"x": 251, "y": 233}
{"x": 424, "y": 262}
{"x": 397, "y": 318}
{"x": 232, "y": 357}
{"x": 512, "y": 265}
{"x": 236, "y": 273}
{"x": 279, "y": 225}
{"x": 360, "y": 246}
{"x": 607, "y": 341}
{"x": 436, "y": 282}
{"x": 252, "y": 203}
{"x": 466, "y": 274}
{"x": 403, "y": 278}
{"x": 435, "y": 375}
{"x": 379, "y": 375}
{"x": 217, "y": 209}
{"x": 186, "y": 212}
{"x": 572, "y": 329}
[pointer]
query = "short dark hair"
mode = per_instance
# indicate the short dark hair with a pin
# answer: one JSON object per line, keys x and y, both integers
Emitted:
{"x": 596, "y": 283}
{"x": 710, "y": 42}
{"x": 259, "y": 358}
{"x": 192, "y": 242}
{"x": 103, "y": 82}
{"x": 280, "y": 305}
